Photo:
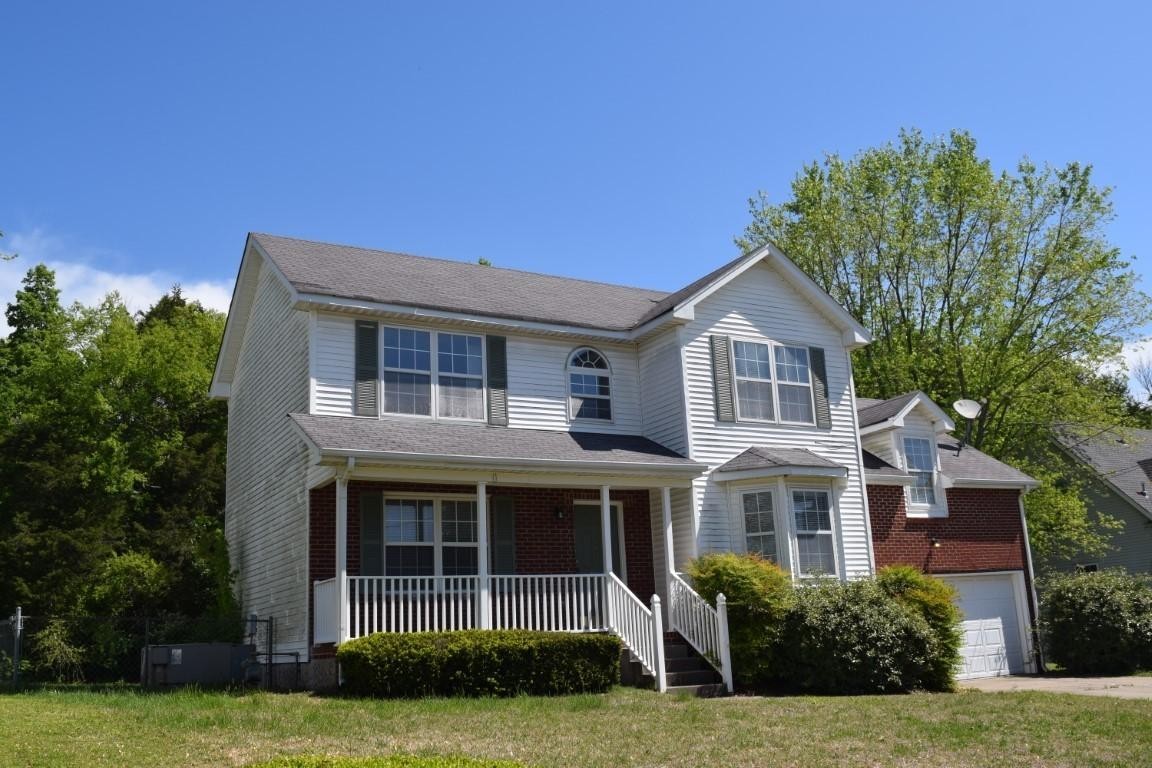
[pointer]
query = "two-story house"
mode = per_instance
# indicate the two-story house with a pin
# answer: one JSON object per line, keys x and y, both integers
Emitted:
{"x": 419, "y": 444}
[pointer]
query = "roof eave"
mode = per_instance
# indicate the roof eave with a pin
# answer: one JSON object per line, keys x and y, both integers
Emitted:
{"x": 855, "y": 335}
{"x": 780, "y": 471}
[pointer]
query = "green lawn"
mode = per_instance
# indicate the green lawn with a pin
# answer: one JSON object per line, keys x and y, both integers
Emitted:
{"x": 625, "y": 727}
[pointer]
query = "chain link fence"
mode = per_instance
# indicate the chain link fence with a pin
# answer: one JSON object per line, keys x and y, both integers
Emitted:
{"x": 93, "y": 650}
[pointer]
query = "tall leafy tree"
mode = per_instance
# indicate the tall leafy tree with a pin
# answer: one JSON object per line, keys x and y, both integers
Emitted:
{"x": 998, "y": 287}
{"x": 110, "y": 453}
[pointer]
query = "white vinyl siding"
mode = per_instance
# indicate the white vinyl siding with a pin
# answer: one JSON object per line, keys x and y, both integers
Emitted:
{"x": 266, "y": 512}
{"x": 538, "y": 386}
{"x": 662, "y": 382}
{"x": 760, "y": 304}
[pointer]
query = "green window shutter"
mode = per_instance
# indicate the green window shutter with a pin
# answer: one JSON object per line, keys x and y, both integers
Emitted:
{"x": 722, "y": 379}
{"x": 367, "y": 368}
{"x": 371, "y": 534}
{"x": 497, "y": 353}
{"x": 502, "y": 535}
{"x": 820, "y": 387}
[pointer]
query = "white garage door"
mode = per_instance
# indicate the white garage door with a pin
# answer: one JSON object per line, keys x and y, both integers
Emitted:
{"x": 991, "y": 642}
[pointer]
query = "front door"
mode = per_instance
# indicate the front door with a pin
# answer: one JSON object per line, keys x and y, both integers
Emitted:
{"x": 589, "y": 540}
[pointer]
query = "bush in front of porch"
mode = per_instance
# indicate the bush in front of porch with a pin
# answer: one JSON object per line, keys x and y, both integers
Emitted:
{"x": 479, "y": 663}
{"x": 899, "y": 632}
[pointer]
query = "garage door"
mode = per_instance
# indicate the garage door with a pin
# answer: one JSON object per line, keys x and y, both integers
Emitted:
{"x": 991, "y": 626}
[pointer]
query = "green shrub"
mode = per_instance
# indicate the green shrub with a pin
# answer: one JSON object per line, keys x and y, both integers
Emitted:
{"x": 934, "y": 601}
{"x": 391, "y": 761}
{"x": 1098, "y": 623}
{"x": 852, "y": 638}
{"x": 479, "y": 663}
{"x": 759, "y": 596}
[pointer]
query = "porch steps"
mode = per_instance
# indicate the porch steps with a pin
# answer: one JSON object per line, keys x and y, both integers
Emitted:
{"x": 686, "y": 671}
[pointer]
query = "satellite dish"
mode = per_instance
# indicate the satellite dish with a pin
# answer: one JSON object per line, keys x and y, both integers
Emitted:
{"x": 969, "y": 409}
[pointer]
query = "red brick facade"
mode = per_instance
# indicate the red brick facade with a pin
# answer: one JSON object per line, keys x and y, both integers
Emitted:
{"x": 544, "y": 542}
{"x": 982, "y": 531}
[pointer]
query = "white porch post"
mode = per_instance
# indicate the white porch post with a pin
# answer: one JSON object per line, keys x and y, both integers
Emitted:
{"x": 482, "y": 613}
{"x": 669, "y": 543}
{"x": 342, "y": 553}
{"x": 606, "y": 527}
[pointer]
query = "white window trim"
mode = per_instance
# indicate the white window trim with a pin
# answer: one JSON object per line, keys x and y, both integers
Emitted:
{"x": 833, "y": 522}
{"x": 607, "y": 372}
{"x": 787, "y": 545}
{"x": 434, "y": 375}
{"x": 618, "y": 512}
{"x": 437, "y": 542}
{"x": 775, "y": 381}
{"x": 912, "y": 509}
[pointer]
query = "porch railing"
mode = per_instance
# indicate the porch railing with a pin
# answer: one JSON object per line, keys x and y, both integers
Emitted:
{"x": 553, "y": 602}
{"x": 560, "y": 603}
{"x": 411, "y": 603}
{"x": 326, "y": 611}
{"x": 704, "y": 627}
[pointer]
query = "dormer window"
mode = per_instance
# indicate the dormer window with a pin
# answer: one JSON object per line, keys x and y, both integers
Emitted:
{"x": 920, "y": 458}
{"x": 589, "y": 386}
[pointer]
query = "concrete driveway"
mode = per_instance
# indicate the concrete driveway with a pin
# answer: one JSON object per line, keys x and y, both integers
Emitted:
{"x": 1120, "y": 687}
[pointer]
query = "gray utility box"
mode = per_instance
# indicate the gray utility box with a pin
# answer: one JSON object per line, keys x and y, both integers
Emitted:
{"x": 195, "y": 663}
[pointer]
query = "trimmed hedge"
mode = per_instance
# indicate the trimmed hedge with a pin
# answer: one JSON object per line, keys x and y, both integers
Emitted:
{"x": 934, "y": 601}
{"x": 391, "y": 761}
{"x": 759, "y": 596}
{"x": 1098, "y": 623}
{"x": 479, "y": 663}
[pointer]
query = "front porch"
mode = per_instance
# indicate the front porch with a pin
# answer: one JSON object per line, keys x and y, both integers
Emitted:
{"x": 533, "y": 550}
{"x": 450, "y": 527}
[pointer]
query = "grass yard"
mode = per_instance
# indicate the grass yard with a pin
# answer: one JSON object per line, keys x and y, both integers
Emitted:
{"x": 626, "y": 727}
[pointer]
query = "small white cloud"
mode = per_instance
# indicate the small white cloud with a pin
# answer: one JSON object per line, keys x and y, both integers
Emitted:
{"x": 79, "y": 281}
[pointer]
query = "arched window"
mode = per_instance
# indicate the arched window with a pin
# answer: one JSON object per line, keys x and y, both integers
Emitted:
{"x": 589, "y": 386}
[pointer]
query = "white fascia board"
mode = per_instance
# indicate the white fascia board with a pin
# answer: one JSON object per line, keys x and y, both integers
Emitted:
{"x": 566, "y": 465}
{"x": 311, "y": 301}
{"x": 236, "y": 321}
{"x": 974, "y": 482}
{"x": 882, "y": 479}
{"x": 783, "y": 471}
{"x": 940, "y": 421}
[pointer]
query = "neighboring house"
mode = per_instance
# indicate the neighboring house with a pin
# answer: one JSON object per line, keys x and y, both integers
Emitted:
{"x": 957, "y": 513}
{"x": 1116, "y": 465}
{"x": 423, "y": 444}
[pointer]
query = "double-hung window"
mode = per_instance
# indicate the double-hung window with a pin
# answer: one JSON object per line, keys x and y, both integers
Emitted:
{"x": 812, "y": 521}
{"x": 418, "y": 536}
{"x": 794, "y": 381}
{"x": 753, "y": 368}
{"x": 589, "y": 386}
{"x": 411, "y": 373}
{"x": 760, "y": 524}
{"x": 773, "y": 382}
{"x": 920, "y": 458}
{"x": 799, "y": 537}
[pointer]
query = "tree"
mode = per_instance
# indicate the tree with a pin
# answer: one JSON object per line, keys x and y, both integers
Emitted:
{"x": 110, "y": 447}
{"x": 1001, "y": 288}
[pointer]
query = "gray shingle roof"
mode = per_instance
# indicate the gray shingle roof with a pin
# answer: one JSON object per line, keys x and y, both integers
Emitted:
{"x": 765, "y": 457}
{"x": 1120, "y": 456}
{"x": 874, "y": 465}
{"x": 415, "y": 281}
{"x": 872, "y": 412}
{"x": 970, "y": 465}
{"x": 341, "y": 434}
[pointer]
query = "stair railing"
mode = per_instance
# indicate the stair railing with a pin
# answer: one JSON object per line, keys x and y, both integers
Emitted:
{"x": 640, "y": 628}
{"x": 704, "y": 627}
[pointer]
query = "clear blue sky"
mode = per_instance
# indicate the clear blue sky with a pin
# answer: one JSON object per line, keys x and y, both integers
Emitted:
{"x": 614, "y": 141}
